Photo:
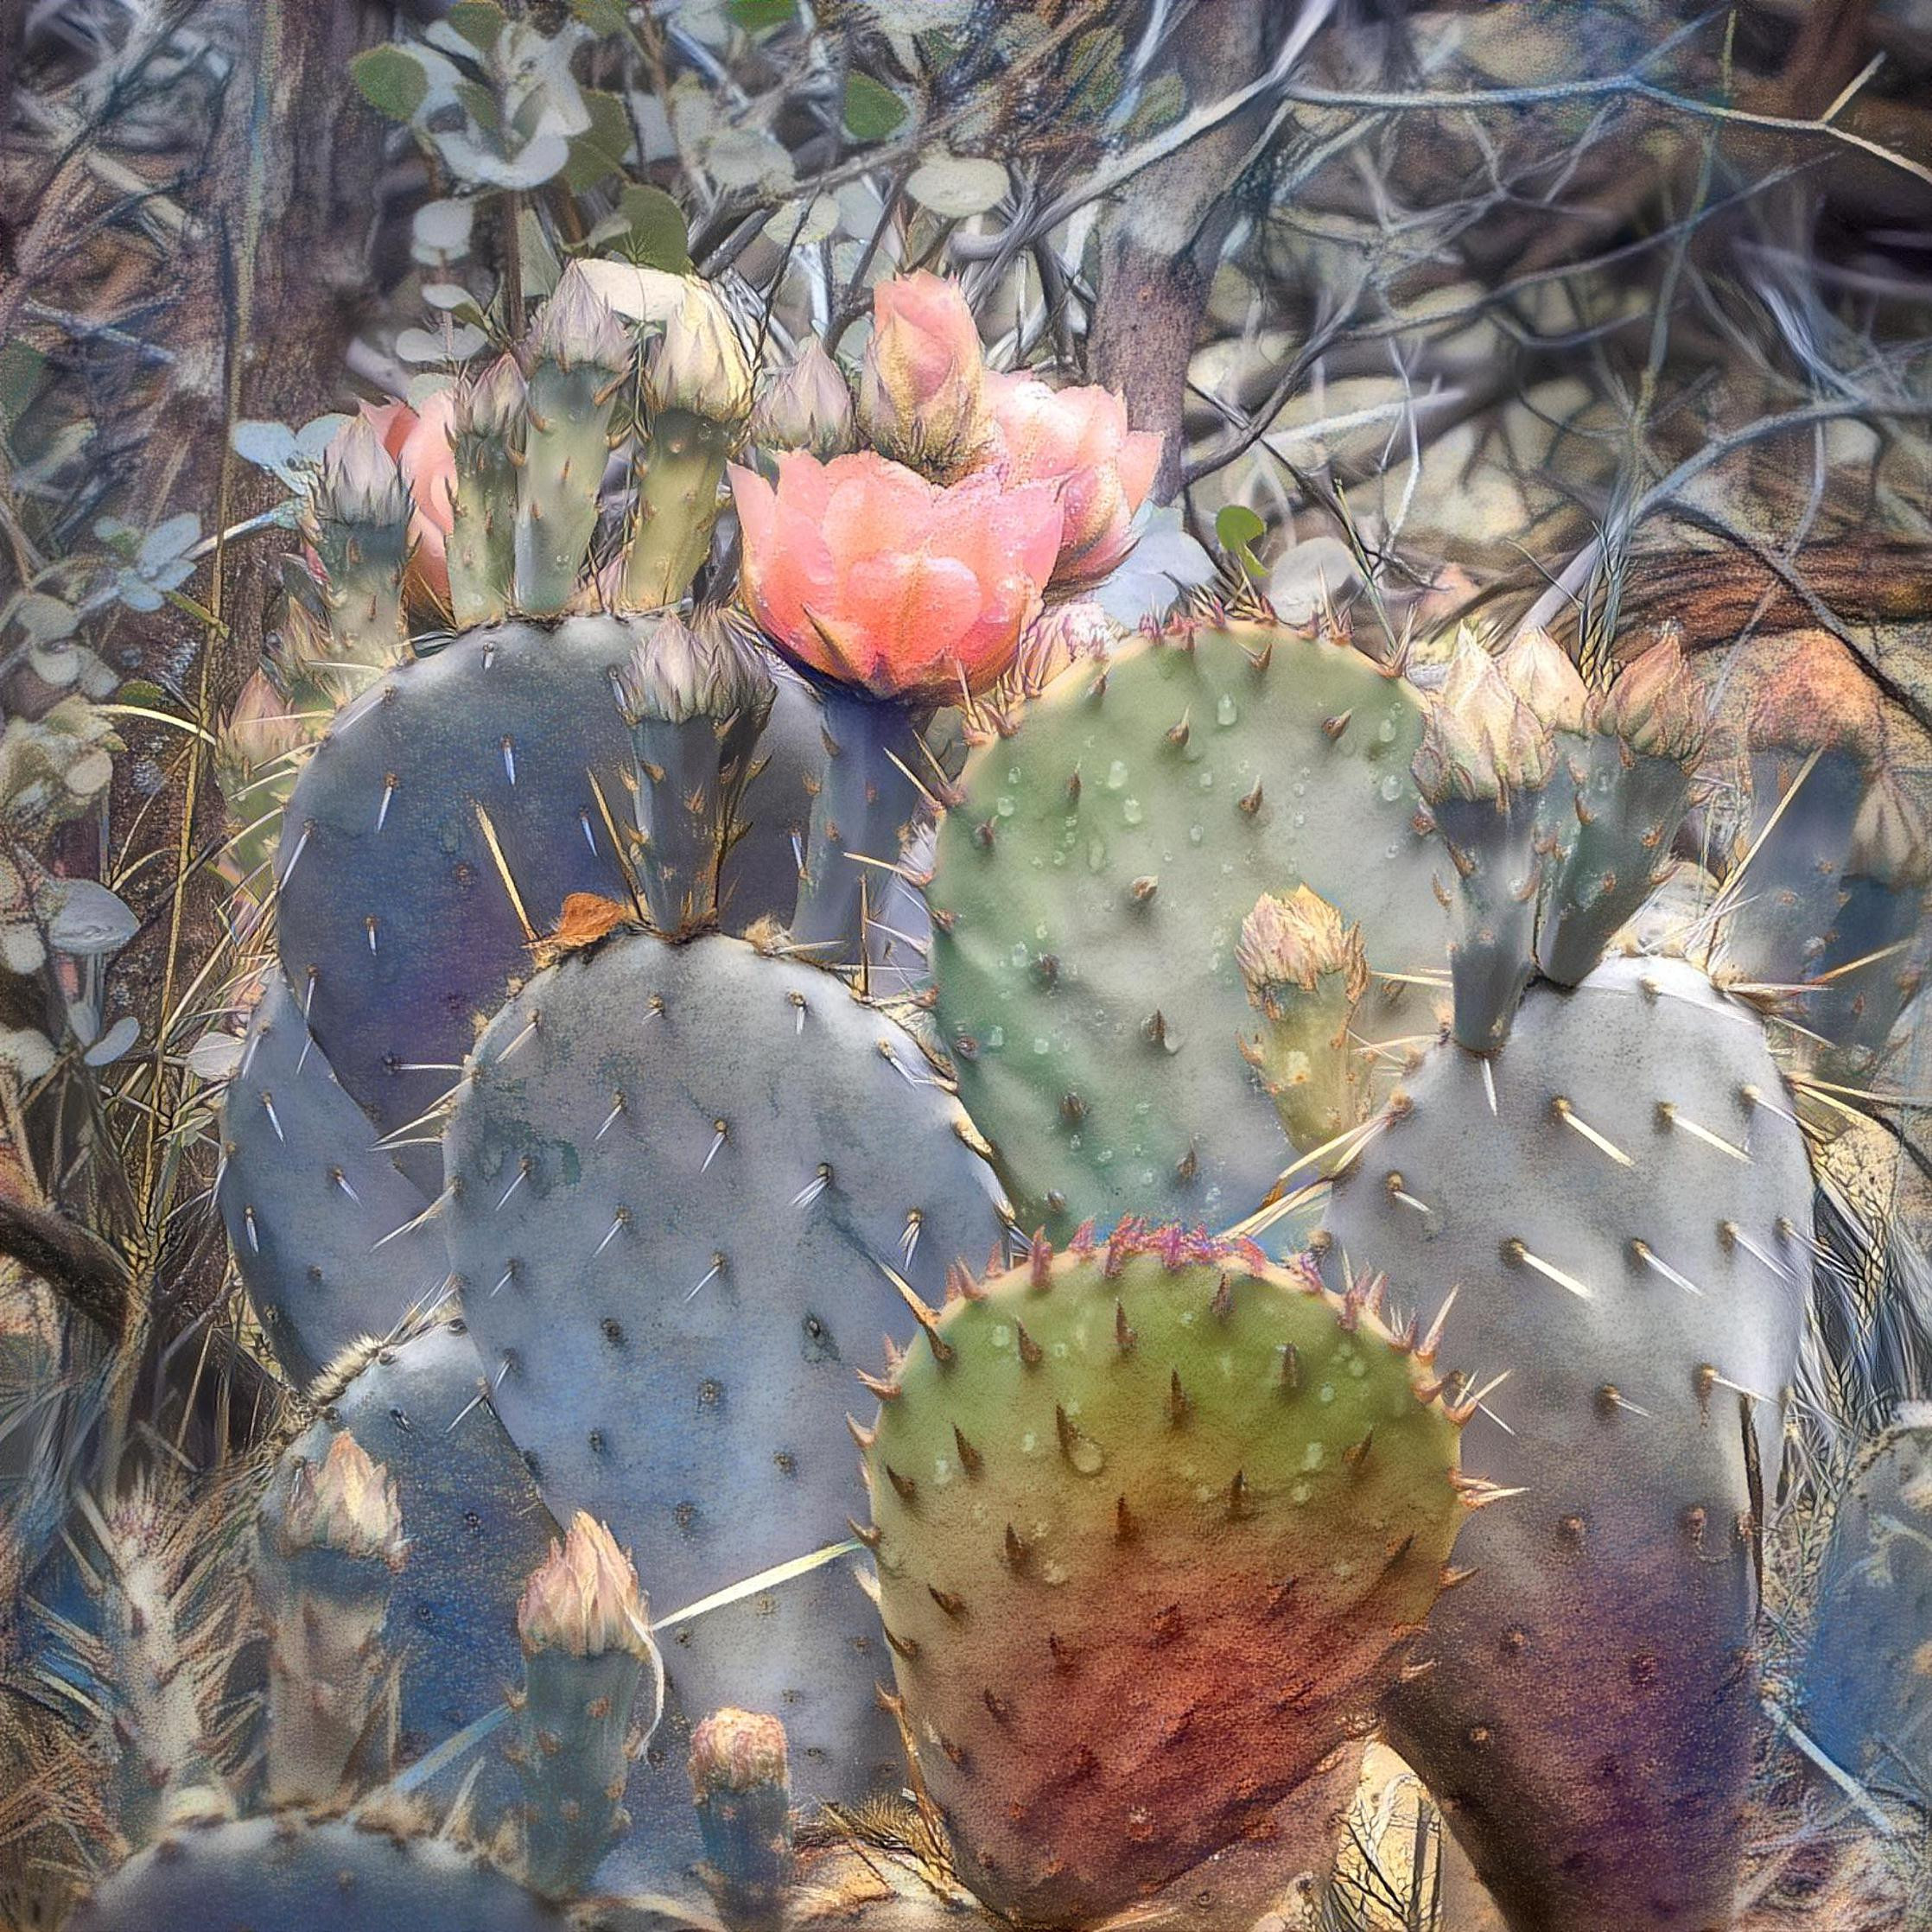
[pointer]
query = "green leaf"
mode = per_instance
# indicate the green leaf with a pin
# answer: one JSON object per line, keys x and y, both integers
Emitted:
{"x": 600, "y": 149}
{"x": 1237, "y": 529}
{"x": 957, "y": 185}
{"x": 45, "y": 620}
{"x": 601, "y": 16}
{"x": 481, "y": 104}
{"x": 541, "y": 270}
{"x": 391, "y": 79}
{"x": 480, "y": 23}
{"x": 871, "y": 111}
{"x": 755, "y": 16}
{"x": 655, "y": 235}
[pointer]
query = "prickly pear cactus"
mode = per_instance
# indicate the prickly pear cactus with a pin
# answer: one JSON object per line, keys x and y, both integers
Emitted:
{"x": 476, "y": 1527}
{"x": 685, "y": 1184}
{"x": 1619, "y": 1197}
{"x": 1153, "y": 1521}
{"x": 1822, "y": 826}
{"x": 442, "y": 822}
{"x": 290, "y": 1874}
{"x": 324, "y": 1225}
{"x": 439, "y": 824}
{"x": 1867, "y": 1684}
{"x": 1089, "y": 893}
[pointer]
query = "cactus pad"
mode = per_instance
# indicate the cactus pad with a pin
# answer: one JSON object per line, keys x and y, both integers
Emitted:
{"x": 286, "y": 1874}
{"x": 1153, "y": 1522}
{"x": 684, "y": 1179}
{"x": 306, "y": 1195}
{"x": 1622, "y": 1230}
{"x": 1090, "y": 891}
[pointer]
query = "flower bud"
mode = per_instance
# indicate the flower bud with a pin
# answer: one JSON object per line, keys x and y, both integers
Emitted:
{"x": 490, "y": 404}
{"x": 703, "y": 669}
{"x": 1297, "y": 941}
{"x": 922, "y": 383}
{"x": 583, "y": 1599}
{"x": 1539, "y": 672}
{"x": 360, "y": 481}
{"x": 578, "y": 326}
{"x": 807, "y": 405}
{"x": 698, "y": 364}
{"x": 347, "y": 1503}
{"x": 1481, "y": 740}
{"x": 1656, "y": 705}
{"x": 736, "y": 1750}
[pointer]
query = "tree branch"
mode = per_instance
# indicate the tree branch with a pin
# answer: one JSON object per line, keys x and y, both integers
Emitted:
{"x": 1160, "y": 240}
{"x": 80, "y": 1268}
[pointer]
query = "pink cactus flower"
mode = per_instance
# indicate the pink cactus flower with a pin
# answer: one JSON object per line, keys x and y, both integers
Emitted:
{"x": 922, "y": 382}
{"x": 419, "y": 441}
{"x": 864, "y": 571}
{"x": 1078, "y": 440}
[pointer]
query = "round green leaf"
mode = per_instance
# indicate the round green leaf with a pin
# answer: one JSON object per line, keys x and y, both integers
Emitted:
{"x": 654, "y": 235}
{"x": 45, "y": 620}
{"x": 391, "y": 79}
{"x": 443, "y": 228}
{"x": 957, "y": 185}
{"x": 872, "y": 110}
{"x": 480, "y": 21}
{"x": 1237, "y": 526}
{"x": 804, "y": 224}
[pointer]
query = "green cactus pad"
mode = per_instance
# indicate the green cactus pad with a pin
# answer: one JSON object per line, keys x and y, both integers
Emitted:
{"x": 1617, "y": 1196}
{"x": 1153, "y": 1521}
{"x": 1090, "y": 886}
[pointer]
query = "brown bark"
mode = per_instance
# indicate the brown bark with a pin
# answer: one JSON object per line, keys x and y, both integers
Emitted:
{"x": 1162, "y": 238}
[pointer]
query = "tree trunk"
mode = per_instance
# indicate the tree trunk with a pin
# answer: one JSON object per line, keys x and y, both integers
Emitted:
{"x": 1162, "y": 238}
